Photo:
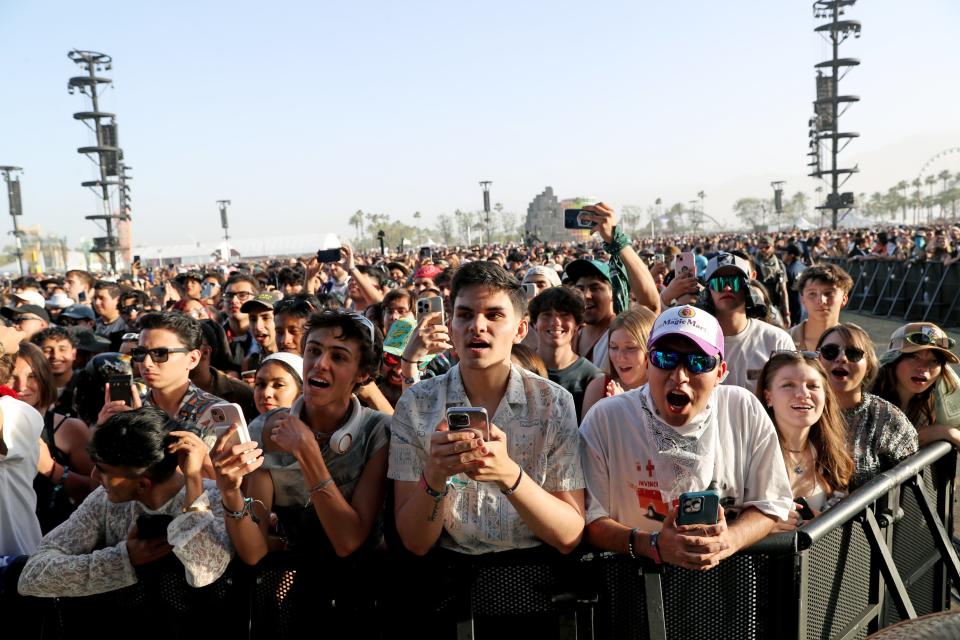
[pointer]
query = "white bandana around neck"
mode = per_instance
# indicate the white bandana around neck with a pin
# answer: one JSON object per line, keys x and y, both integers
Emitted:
{"x": 687, "y": 462}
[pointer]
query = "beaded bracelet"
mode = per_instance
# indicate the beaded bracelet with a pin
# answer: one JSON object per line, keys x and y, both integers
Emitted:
{"x": 436, "y": 495}
{"x": 244, "y": 512}
{"x": 632, "y": 542}
{"x": 57, "y": 488}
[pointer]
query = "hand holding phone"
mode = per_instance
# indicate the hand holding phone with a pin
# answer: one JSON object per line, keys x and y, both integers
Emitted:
{"x": 573, "y": 219}
{"x": 225, "y": 414}
{"x": 529, "y": 290}
{"x": 685, "y": 263}
{"x": 429, "y": 305}
{"x": 121, "y": 388}
{"x": 328, "y": 255}
{"x": 698, "y": 507}
{"x": 469, "y": 418}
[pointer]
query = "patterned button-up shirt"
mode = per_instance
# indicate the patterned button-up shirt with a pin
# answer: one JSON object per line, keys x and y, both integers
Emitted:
{"x": 194, "y": 407}
{"x": 540, "y": 423}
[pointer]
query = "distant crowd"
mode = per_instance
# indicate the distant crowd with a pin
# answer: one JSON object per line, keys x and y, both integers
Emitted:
{"x": 676, "y": 399}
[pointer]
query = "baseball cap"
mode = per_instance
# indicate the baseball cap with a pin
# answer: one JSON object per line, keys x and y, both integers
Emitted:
{"x": 60, "y": 300}
{"x": 292, "y": 360}
{"x": 727, "y": 260}
{"x": 919, "y": 336}
{"x": 29, "y": 297}
{"x": 262, "y": 301}
{"x": 24, "y": 309}
{"x": 88, "y": 341}
{"x": 428, "y": 271}
{"x": 689, "y": 322}
{"x": 580, "y": 268}
{"x": 78, "y": 312}
{"x": 547, "y": 272}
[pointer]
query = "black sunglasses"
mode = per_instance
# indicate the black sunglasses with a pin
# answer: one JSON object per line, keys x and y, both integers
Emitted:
{"x": 158, "y": 355}
{"x": 832, "y": 352}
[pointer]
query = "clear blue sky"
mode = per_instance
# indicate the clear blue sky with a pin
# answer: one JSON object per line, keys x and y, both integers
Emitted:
{"x": 303, "y": 112}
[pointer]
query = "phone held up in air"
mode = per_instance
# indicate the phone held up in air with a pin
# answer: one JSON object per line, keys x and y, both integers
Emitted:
{"x": 471, "y": 418}
{"x": 573, "y": 219}
{"x": 225, "y": 414}
{"x": 529, "y": 290}
{"x": 120, "y": 388}
{"x": 429, "y": 305}
{"x": 699, "y": 507}
{"x": 328, "y": 255}
{"x": 685, "y": 263}
{"x": 426, "y": 253}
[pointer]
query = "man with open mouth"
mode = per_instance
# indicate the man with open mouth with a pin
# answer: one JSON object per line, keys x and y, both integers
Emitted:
{"x": 682, "y": 432}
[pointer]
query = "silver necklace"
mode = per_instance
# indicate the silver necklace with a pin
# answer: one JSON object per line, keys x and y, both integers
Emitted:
{"x": 798, "y": 468}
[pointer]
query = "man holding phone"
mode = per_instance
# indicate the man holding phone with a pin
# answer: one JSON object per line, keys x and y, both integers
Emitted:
{"x": 138, "y": 460}
{"x": 523, "y": 486}
{"x": 681, "y": 433}
{"x": 608, "y": 286}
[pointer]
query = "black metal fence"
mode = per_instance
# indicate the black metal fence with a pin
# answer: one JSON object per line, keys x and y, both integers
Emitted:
{"x": 881, "y": 555}
{"x": 911, "y": 291}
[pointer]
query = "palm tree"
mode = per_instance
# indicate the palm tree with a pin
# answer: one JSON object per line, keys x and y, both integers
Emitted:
{"x": 930, "y": 181}
{"x": 944, "y": 176}
{"x": 902, "y": 187}
{"x": 357, "y": 221}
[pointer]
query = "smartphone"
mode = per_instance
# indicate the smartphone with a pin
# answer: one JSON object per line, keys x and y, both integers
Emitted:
{"x": 529, "y": 290}
{"x": 805, "y": 511}
{"x": 429, "y": 305}
{"x": 426, "y": 253}
{"x": 223, "y": 415}
{"x": 685, "y": 263}
{"x": 152, "y": 525}
{"x": 659, "y": 257}
{"x": 120, "y": 388}
{"x": 82, "y": 296}
{"x": 328, "y": 255}
{"x": 206, "y": 290}
{"x": 573, "y": 219}
{"x": 698, "y": 507}
{"x": 472, "y": 418}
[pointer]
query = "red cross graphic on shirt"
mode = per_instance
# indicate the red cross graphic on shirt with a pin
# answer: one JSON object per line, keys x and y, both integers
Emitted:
{"x": 650, "y": 467}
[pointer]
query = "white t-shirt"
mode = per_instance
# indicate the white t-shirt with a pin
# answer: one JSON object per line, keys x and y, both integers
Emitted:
{"x": 626, "y": 464}
{"x": 747, "y": 352}
{"x": 19, "y": 528}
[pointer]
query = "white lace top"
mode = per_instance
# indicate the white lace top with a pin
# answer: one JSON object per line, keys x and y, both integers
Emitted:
{"x": 87, "y": 554}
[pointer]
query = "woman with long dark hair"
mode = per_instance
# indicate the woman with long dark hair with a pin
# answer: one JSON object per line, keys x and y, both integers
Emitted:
{"x": 793, "y": 387}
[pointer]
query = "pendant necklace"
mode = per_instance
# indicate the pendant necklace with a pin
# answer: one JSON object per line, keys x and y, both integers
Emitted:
{"x": 798, "y": 464}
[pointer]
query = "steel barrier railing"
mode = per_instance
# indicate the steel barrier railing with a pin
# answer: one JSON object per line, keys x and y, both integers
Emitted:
{"x": 908, "y": 290}
{"x": 882, "y": 554}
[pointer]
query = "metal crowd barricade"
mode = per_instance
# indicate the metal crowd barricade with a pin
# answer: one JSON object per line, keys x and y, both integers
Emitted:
{"x": 881, "y": 555}
{"x": 907, "y": 290}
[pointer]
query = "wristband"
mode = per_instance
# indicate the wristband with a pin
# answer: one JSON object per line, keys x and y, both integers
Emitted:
{"x": 243, "y": 513}
{"x": 630, "y": 544}
{"x": 654, "y": 548}
{"x": 320, "y": 486}
{"x": 436, "y": 495}
{"x": 516, "y": 484}
{"x": 416, "y": 362}
{"x": 617, "y": 242}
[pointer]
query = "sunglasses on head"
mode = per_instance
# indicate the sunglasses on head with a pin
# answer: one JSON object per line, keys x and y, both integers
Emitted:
{"x": 925, "y": 340}
{"x": 693, "y": 362}
{"x": 158, "y": 355}
{"x": 832, "y": 352}
{"x": 391, "y": 360}
{"x": 806, "y": 355}
{"x": 364, "y": 320}
{"x": 719, "y": 283}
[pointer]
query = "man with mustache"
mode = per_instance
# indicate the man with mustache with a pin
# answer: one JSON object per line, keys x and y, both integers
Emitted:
{"x": 681, "y": 432}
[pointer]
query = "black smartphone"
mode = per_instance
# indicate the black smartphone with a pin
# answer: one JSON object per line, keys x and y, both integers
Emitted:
{"x": 82, "y": 296}
{"x": 328, "y": 255}
{"x": 151, "y": 526}
{"x": 120, "y": 388}
{"x": 805, "y": 511}
{"x": 426, "y": 253}
{"x": 573, "y": 219}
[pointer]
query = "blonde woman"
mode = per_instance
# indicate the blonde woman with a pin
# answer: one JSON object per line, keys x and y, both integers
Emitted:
{"x": 626, "y": 366}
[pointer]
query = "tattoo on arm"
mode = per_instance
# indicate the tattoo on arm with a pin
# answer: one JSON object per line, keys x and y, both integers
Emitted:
{"x": 435, "y": 512}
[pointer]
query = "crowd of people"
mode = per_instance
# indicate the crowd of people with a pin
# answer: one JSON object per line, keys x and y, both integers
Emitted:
{"x": 604, "y": 384}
